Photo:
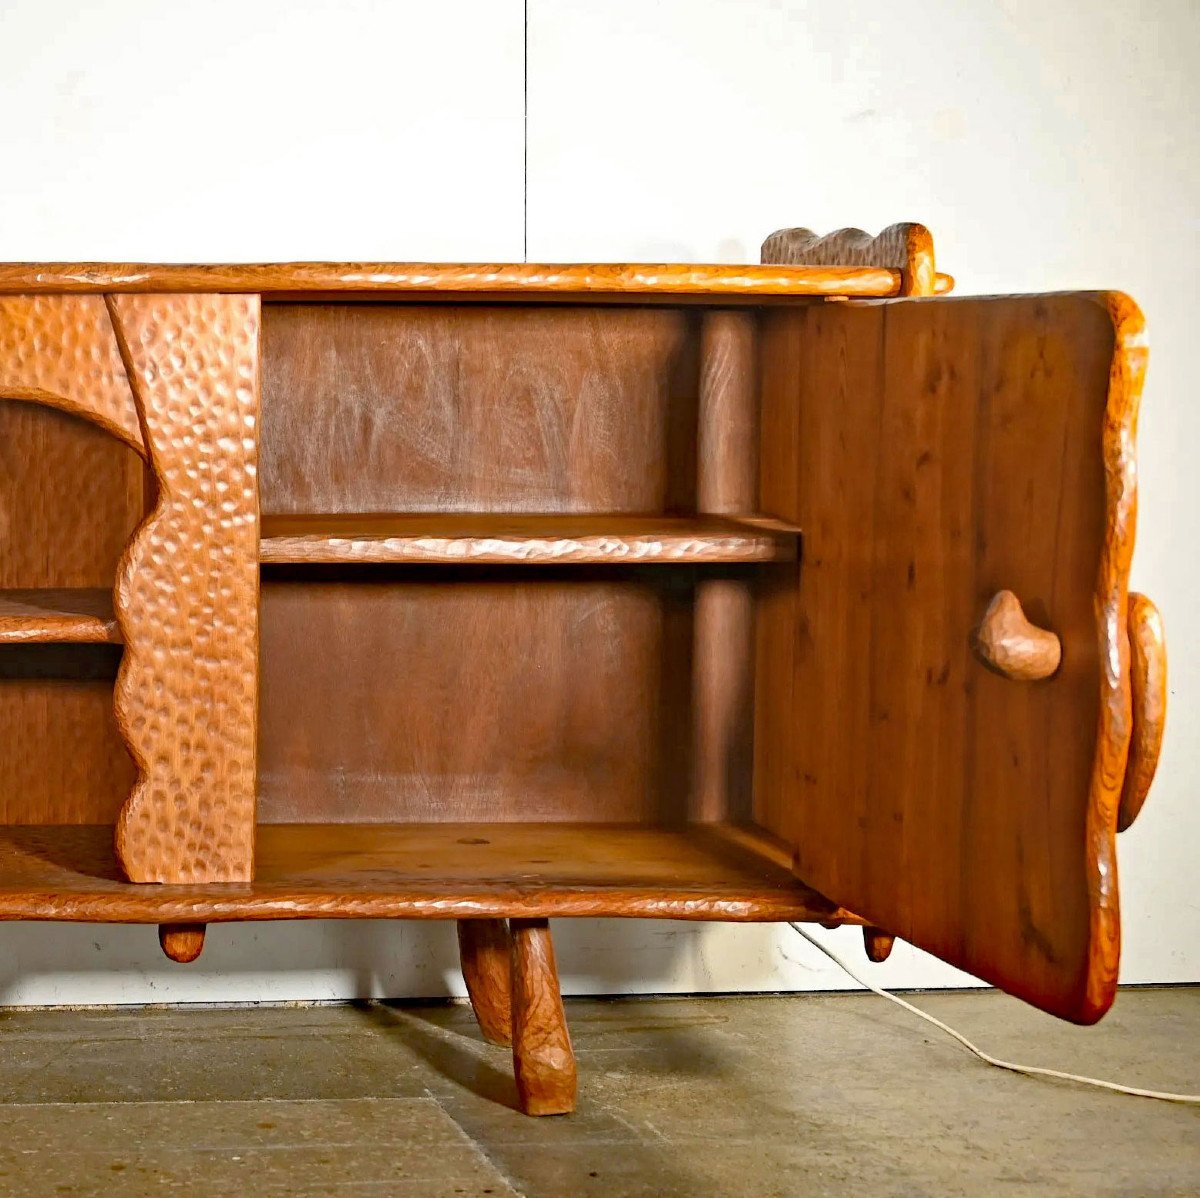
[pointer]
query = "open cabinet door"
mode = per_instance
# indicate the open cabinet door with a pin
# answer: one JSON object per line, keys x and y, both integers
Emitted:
{"x": 936, "y": 452}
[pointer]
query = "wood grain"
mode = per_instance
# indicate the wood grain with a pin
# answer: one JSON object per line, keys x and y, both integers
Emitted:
{"x": 723, "y": 654}
{"x": 934, "y": 452}
{"x": 70, "y": 497}
{"x": 412, "y": 408}
{"x": 906, "y": 246}
{"x": 187, "y": 590}
{"x": 485, "y": 953}
{"x": 1007, "y": 642}
{"x": 81, "y": 615}
{"x": 1148, "y": 684}
{"x": 413, "y": 871}
{"x": 543, "y": 1060}
{"x": 475, "y": 693}
{"x": 467, "y": 537}
{"x": 60, "y": 350}
{"x": 181, "y": 942}
{"x": 422, "y": 280}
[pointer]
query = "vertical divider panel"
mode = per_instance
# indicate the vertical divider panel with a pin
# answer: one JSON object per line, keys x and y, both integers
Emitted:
{"x": 187, "y": 589}
{"x": 723, "y": 654}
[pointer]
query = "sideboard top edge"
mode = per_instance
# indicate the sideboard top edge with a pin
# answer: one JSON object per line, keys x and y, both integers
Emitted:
{"x": 720, "y": 281}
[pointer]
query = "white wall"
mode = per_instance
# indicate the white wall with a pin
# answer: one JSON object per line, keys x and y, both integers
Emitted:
{"x": 1047, "y": 144}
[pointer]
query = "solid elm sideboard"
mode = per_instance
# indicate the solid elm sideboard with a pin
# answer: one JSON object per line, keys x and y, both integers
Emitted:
{"x": 502, "y": 593}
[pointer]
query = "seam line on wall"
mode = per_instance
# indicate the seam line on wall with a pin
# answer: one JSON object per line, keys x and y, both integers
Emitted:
{"x": 525, "y": 148}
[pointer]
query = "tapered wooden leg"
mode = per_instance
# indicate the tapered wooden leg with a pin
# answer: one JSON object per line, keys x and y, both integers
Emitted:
{"x": 485, "y": 951}
{"x": 543, "y": 1061}
{"x": 182, "y": 942}
{"x": 878, "y": 944}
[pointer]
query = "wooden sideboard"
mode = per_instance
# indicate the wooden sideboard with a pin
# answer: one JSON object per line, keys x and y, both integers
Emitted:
{"x": 503, "y": 593}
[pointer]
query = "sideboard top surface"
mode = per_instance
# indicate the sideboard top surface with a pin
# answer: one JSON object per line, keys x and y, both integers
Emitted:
{"x": 528, "y": 281}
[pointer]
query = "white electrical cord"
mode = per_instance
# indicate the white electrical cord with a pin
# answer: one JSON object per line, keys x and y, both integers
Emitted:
{"x": 1033, "y": 1070}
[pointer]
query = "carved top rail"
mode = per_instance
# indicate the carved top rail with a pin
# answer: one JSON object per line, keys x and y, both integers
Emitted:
{"x": 416, "y": 280}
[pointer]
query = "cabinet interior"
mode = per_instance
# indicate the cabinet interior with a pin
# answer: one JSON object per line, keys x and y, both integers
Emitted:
{"x": 512, "y": 556}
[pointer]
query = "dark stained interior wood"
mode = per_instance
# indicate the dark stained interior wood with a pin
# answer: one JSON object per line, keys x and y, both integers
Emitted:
{"x": 438, "y": 871}
{"x": 936, "y": 452}
{"x": 475, "y": 693}
{"x": 70, "y": 495}
{"x": 519, "y": 539}
{"x": 394, "y": 408}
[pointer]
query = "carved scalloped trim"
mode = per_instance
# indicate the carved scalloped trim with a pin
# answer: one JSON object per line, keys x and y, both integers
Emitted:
{"x": 186, "y": 596}
{"x": 906, "y": 246}
{"x": 61, "y": 351}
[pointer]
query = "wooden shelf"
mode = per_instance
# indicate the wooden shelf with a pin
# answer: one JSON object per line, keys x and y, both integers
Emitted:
{"x": 467, "y": 537}
{"x": 76, "y": 615}
{"x": 422, "y": 871}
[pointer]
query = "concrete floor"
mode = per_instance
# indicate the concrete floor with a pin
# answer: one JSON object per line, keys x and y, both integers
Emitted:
{"x": 808, "y": 1095}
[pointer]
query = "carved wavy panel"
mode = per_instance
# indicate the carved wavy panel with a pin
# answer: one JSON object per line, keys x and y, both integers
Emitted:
{"x": 907, "y": 247}
{"x": 187, "y": 590}
{"x": 1127, "y": 375}
{"x": 60, "y": 350}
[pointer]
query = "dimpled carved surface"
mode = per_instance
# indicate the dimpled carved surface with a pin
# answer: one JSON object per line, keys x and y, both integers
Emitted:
{"x": 187, "y": 590}
{"x": 60, "y": 350}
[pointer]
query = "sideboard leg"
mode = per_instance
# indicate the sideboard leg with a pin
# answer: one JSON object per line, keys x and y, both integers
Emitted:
{"x": 182, "y": 942}
{"x": 485, "y": 952}
{"x": 878, "y": 944}
{"x": 543, "y": 1061}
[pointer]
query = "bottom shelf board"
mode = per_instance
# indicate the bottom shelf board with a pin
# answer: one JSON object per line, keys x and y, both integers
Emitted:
{"x": 421, "y": 871}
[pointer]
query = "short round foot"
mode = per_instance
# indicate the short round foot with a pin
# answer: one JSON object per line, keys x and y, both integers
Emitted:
{"x": 182, "y": 942}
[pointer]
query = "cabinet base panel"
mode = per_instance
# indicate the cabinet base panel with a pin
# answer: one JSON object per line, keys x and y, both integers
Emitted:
{"x": 421, "y": 871}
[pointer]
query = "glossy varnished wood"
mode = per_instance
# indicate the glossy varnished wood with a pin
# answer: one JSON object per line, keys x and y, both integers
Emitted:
{"x": 877, "y": 944}
{"x": 1009, "y": 643}
{"x": 468, "y": 537}
{"x": 543, "y": 1060}
{"x": 439, "y": 871}
{"x": 1148, "y": 684}
{"x": 521, "y": 280}
{"x": 186, "y": 593}
{"x": 485, "y": 954}
{"x": 936, "y": 452}
{"x": 181, "y": 942}
{"x": 64, "y": 615}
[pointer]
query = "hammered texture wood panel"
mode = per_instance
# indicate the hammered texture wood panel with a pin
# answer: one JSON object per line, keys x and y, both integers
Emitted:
{"x": 187, "y": 590}
{"x": 60, "y": 350}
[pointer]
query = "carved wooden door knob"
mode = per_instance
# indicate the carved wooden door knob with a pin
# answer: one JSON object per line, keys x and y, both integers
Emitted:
{"x": 1008, "y": 643}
